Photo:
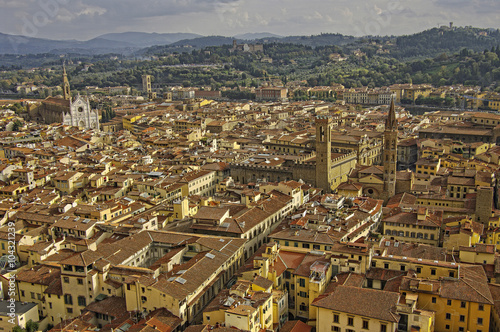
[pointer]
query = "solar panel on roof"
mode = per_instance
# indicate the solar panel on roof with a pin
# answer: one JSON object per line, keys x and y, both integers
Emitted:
{"x": 209, "y": 255}
{"x": 181, "y": 280}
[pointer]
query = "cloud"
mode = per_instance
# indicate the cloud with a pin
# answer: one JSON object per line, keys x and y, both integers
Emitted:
{"x": 84, "y": 19}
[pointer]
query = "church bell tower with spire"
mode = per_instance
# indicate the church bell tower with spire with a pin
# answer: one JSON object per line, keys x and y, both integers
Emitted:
{"x": 390, "y": 153}
{"x": 66, "y": 90}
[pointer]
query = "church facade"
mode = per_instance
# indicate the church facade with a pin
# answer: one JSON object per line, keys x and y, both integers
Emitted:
{"x": 80, "y": 114}
{"x": 67, "y": 110}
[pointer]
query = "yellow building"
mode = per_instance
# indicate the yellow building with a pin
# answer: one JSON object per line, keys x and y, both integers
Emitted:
{"x": 479, "y": 254}
{"x": 428, "y": 166}
{"x": 461, "y": 232}
{"x": 302, "y": 274}
{"x": 414, "y": 227}
{"x": 67, "y": 182}
{"x": 13, "y": 191}
{"x": 460, "y": 304}
{"x": 200, "y": 182}
{"x": 495, "y": 310}
{"x": 350, "y": 308}
{"x": 412, "y": 92}
{"x": 223, "y": 308}
{"x": 243, "y": 317}
{"x": 129, "y": 120}
{"x": 493, "y": 232}
{"x": 21, "y": 313}
{"x": 423, "y": 268}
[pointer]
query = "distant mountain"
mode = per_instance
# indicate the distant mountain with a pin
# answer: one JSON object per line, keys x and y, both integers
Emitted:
{"x": 323, "y": 39}
{"x": 12, "y": 44}
{"x": 314, "y": 41}
{"x": 257, "y": 35}
{"x": 144, "y": 39}
{"x": 204, "y": 42}
{"x": 127, "y": 42}
{"x": 426, "y": 43}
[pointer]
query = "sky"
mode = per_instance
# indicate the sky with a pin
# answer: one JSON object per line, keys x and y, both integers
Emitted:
{"x": 86, "y": 19}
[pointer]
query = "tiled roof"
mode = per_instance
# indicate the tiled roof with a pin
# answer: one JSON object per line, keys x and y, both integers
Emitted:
{"x": 360, "y": 301}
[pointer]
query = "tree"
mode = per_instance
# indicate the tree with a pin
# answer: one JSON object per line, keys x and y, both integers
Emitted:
{"x": 31, "y": 326}
{"x": 17, "y": 124}
{"x": 17, "y": 328}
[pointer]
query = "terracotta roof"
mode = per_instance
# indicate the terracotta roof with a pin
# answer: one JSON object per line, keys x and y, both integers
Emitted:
{"x": 113, "y": 306}
{"x": 359, "y": 301}
{"x": 295, "y": 326}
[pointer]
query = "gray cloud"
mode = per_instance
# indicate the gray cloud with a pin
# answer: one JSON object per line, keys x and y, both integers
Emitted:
{"x": 84, "y": 19}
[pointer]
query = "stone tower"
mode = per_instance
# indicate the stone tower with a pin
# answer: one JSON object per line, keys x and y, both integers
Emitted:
{"x": 390, "y": 153}
{"x": 484, "y": 204}
{"x": 146, "y": 83}
{"x": 323, "y": 153}
{"x": 66, "y": 90}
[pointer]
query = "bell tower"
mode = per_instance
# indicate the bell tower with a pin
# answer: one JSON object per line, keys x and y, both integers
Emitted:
{"x": 390, "y": 153}
{"x": 324, "y": 153}
{"x": 66, "y": 90}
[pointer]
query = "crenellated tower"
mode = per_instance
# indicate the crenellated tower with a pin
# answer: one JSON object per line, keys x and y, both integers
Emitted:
{"x": 390, "y": 153}
{"x": 324, "y": 153}
{"x": 66, "y": 89}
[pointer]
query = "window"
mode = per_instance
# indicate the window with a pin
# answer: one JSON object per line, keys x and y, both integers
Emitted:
{"x": 419, "y": 269}
{"x": 462, "y": 304}
{"x": 68, "y": 299}
{"x": 335, "y": 329}
{"x": 365, "y": 325}
{"x": 461, "y": 329}
{"x": 303, "y": 294}
{"x": 462, "y": 318}
{"x": 447, "y": 327}
{"x": 82, "y": 301}
{"x": 448, "y": 302}
{"x": 79, "y": 281}
{"x": 480, "y": 307}
{"x": 448, "y": 315}
{"x": 350, "y": 321}
{"x": 69, "y": 310}
{"x": 305, "y": 245}
{"x": 479, "y": 321}
{"x": 434, "y": 299}
{"x": 303, "y": 307}
{"x": 302, "y": 282}
{"x": 32, "y": 295}
{"x": 433, "y": 272}
{"x": 335, "y": 318}
{"x": 403, "y": 268}
{"x": 386, "y": 265}
{"x": 383, "y": 328}
{"x": 50, "y": 305}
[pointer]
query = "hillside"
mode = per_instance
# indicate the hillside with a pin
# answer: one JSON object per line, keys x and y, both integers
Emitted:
{"x": 144, "y": 39}
{"x": 444, "y": 40}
